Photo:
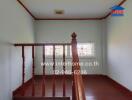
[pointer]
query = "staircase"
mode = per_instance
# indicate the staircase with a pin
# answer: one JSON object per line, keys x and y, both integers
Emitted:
{"x": 77, "y": 86}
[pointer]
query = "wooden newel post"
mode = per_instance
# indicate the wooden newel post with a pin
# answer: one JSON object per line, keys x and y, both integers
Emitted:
{"x": 75, "y": 58}
{"x": 73, "y": 47}
{"x": 78, "y": 92}
{"x": 74, "y": 40}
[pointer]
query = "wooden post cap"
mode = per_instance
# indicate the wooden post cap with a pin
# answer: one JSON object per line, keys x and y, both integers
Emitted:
{"x": 73, "y": 35}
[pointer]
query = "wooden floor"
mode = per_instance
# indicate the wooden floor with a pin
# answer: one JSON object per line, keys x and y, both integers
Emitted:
{"x": 96, "y": 88}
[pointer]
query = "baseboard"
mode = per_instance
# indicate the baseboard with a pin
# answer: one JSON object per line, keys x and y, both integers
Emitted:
{"x": 25, "y": 85}
{"x": 69, "y": 75}
{"x": 119, "y": 86}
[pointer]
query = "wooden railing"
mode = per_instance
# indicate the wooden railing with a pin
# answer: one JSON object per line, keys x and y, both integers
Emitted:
{"x": 77, "y": 87}
{"x": 33, "y": 45}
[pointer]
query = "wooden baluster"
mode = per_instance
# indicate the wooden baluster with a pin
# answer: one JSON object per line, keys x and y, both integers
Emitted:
{"x": 73, "y": 84}
{"x": 23, "y": 65}
{"x": 64, "y": 86}
{"x": 23, "y": 69}
{"x": 53, "y": 71}
{"x": 33, "y": 70}
{"x": 43, "y": 83}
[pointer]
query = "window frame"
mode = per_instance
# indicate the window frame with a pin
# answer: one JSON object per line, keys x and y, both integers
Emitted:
{"x": 68, "y": 52}
{"x": 57, "y": 56}
{"x": 86, "y": 56}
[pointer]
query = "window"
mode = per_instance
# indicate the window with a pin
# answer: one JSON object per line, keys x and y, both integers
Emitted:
{"x": 85, "y": 50}
{"x": 58, "y": 50}
{"x": 48, "y": 50}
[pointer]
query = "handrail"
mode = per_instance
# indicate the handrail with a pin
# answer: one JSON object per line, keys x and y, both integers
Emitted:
{"x": 40, "y": 44}
{"x": 78, "y": 87}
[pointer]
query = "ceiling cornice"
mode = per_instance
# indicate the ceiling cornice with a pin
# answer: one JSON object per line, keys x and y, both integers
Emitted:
{"x": 121, "y": 3}
{"x": 35, "y": 18}
{"x": 69, "y": 19}
{"x": 26, "y": 9}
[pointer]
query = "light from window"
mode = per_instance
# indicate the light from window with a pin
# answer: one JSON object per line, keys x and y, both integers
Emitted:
{"x": 85, "y": 50}
{"x": 48, "y": 50}
{"x": 58, "y": 50}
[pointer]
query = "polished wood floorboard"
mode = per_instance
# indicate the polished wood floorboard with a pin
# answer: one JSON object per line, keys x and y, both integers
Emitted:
{"x": 96, "y": 88}
{"x": 103, "y": 88}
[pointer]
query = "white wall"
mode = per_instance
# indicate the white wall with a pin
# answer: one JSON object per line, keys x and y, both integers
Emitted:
{"x": 60, "y": 31}
{"x": 119, "y": 41}
{"x": 15, "y": 26}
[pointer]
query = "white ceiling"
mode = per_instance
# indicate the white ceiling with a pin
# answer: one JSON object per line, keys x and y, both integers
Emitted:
{"x": 72, "y": 8}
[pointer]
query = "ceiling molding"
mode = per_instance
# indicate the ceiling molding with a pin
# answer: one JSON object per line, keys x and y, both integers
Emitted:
{"x": 35, "y": 18}
{"x": 69, "y": 19}
{"x": 30, "y": 13}
{"x": 121, "y": 3}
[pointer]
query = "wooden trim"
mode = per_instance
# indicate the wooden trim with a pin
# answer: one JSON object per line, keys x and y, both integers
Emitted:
{"x": 98, "y": 18}
{"x": 40, "y": 44}
{"x": 119, "y": 86}
{"x": 121, "y": 3}
{"x": 25, "y": 85}
{"x": 69, "y": 18}
{"x": 19, "y": 1}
